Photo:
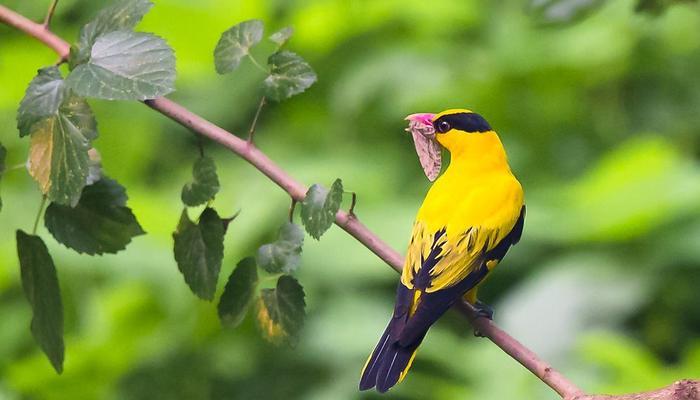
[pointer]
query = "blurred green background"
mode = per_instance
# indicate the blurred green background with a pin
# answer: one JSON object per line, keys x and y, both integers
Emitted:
{"x": 600, "y": 119}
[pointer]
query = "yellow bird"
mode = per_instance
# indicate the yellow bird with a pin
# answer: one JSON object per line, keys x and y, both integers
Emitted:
{"x": 469, "y": 219}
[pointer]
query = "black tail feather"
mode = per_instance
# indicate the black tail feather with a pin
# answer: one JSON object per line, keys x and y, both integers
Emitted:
{"x": 389, "y": 361}
{"x": 369, "y": 373}
{"x": 395, "y": 364}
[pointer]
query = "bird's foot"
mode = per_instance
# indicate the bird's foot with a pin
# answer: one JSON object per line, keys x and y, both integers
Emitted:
{"x": 483, "y": 310}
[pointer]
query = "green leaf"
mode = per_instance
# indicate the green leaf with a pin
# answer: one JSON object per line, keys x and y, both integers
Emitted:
{"x": 319, "y": 208}
{"x": 58, "y": 153}
{"x": 126, "y": 65}
{"x": 122, "y": 15}
{"x": 281, "y": 37}
{"x": 289, "y": 76}
{"x": 557, "y": 12}
{"x": 3, "y": 153}
{"x": 239, "y": 292}
{"x": 42, "y": 99}
{"x": 100, "y": 222}
{"x": 284, "y": 254}
{"x": 205, "y": 184}
{"x": 235, "y": 44}
{"x": 199, "y": 250}
{"x": 40, "y": 285}
{"x": 281, "y": 311}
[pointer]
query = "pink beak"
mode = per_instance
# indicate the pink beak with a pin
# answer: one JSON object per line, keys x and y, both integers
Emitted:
{"x": 423, "y": 118}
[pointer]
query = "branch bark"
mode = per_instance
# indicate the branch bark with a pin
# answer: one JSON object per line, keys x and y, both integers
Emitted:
{"x": 681, "y": 390}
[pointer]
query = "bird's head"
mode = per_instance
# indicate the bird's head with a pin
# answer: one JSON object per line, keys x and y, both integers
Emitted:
{"x": 462, "y": 132}
{"x": 454, "y": 128}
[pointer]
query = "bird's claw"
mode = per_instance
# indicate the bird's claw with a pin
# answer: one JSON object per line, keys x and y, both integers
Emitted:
{"x": 485, "y": 311}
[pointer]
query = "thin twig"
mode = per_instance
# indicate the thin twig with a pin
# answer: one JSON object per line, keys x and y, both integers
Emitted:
{"x": 353, "y": 226}
{"x": 251, "y": 131}
{"x": 49, "y": 14}
{"x": 38, "y": 214}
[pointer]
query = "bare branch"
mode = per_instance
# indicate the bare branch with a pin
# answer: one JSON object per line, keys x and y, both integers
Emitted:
{"x": 682, "y": 390}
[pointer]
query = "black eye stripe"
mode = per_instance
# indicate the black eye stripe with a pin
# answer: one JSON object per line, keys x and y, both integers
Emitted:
{"x": 467, "y": 122}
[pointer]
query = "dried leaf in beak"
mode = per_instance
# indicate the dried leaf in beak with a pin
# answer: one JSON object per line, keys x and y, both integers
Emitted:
{"x": 428, "y": 149}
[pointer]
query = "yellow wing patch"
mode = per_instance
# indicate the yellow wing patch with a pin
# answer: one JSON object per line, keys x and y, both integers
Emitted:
{"x": 469, "y": 229}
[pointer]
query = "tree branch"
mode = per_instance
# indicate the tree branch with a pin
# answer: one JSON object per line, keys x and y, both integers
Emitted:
{"x": 682, "y": 390}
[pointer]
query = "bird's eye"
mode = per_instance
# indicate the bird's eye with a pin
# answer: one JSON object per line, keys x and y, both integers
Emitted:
{"x": 443, "y": 126}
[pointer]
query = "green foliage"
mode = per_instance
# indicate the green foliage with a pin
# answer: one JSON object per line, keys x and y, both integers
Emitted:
{"x": 126, "y": 66}
{"x": 320, "y": 206}
{"x": 121, "y": 15}
{"x": 289, "y": 76}
{"x": 562, "y": 11}
{"x": 205, "y": 183}
{"x": 235, "y": 44}
{"x": 199, "y": 250}
{"x": 281, "y": 37}
{"x": 281, "y": 311}
{"x": 284, "y": 254}
{"x": 44, "y": 95}
{"x": 657, "y": 7}
{"x": 41, "y": 288}
{"x": 239, "y": 293}
{"x": 100, "y": 222}
{"x": 599, "y": 119}
{"x": 58, "y": 156}
{"x": 288, "y": 73}
{"x": 3, "y": 153}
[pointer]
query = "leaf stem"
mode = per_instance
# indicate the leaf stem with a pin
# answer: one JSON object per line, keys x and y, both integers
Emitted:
{"x": 16, "y": 167}
{"x": 200, "y": 145}
{"x": 251, "y": 131}
{"x": 291, "y": 210}
{"x": 353, "y": 202}
{"x": 49, "y": 14}
{"x": 257, "y": 64}
{"x": 38, "y": 214}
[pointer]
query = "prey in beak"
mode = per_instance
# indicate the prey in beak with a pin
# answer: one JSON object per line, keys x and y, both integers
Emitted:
{"x": 428, "y": 149}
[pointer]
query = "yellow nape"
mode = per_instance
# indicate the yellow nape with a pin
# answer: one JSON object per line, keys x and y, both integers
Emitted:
{"x": 451, "y": 111}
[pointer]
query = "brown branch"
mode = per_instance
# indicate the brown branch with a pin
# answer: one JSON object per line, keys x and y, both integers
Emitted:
{"x": 355, "y": 228}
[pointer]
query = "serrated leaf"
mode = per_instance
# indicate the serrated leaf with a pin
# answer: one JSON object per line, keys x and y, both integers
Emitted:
{"x": 122, "y": 15}
{"x": 126, "y": 65}
{"x": 3, "y": 153}
{"x": 58, "y": 153}
{"x": 319, "y": 208}
{"x": 235, "y": 43}
{"x": 281, "y": 311}
{"x": 199, "y": 250}
{"x": 40, "y": 285}
{"x": 41, "y": 100}
{"x": 100, "y": 222}
{"x": 281, "y": 37}
{"x": 284, "y": 254}
{"x": 205, "y": 184}
{"x": 556, "y": 12}
{"x": 239, "y": 293}
{"x": 289, "y": 76}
